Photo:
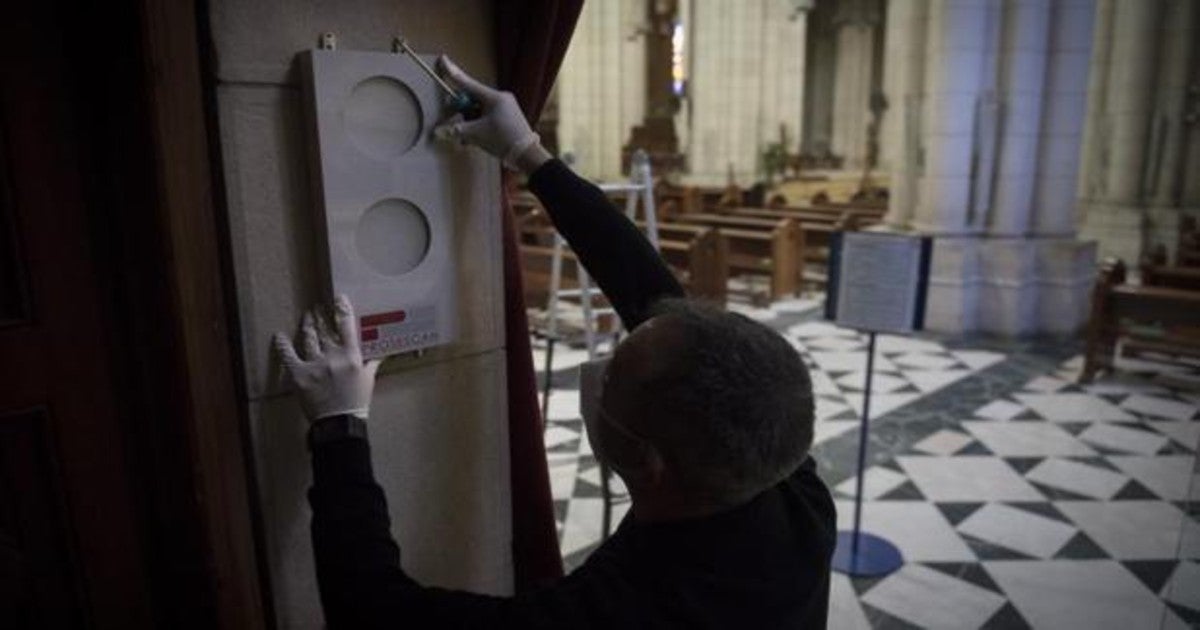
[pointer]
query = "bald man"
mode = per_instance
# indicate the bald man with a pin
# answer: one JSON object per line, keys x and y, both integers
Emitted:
{"x": 707, "y": 416}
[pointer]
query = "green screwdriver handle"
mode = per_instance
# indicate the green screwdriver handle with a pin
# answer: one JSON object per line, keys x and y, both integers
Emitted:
{"x": 462, "y": 103}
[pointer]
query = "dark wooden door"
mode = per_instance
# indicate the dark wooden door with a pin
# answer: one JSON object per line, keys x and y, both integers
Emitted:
{"x": 71, "y": 553}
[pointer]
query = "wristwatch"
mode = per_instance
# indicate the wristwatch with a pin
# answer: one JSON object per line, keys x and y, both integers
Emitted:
{"x": 335, "y": 429}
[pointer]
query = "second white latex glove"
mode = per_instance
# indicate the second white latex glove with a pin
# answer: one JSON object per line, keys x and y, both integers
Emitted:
{"x": 331, "y": 379}
{"x": 502, "y": 129}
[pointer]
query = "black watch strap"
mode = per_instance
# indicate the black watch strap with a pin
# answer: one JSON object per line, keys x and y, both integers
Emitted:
{"x": 336, "y": 428}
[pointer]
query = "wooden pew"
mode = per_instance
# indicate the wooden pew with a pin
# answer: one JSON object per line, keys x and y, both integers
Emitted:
{"x": 772, "y": 247}
{"x": 818, "y": 233}
{"x": 1146, "y": 318}
{"x": 866, "y": 209}
{"x": 1188, "y": 252}
{"x": 1156, "y": 272}
{"x": 697, "y": 256}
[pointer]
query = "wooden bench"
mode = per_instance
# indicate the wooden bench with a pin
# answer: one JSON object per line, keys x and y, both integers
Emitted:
{"x": 1156, "y": 272}
{"x": 1188, "y": 252}
{"x": 818, "y": 232}
{"x": 697, "y": 256}
{"x": 771, "y": 247}
{"x": 1156, "y": 319}
{"x": 866, "y": 209}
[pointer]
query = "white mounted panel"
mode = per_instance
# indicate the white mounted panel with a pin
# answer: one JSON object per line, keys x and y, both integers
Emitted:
{"x": 385, "y": 195}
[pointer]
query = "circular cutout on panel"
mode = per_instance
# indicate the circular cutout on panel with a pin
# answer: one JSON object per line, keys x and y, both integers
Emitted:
{"x": 393, "y": 237}
{"x": 383, "y": 117}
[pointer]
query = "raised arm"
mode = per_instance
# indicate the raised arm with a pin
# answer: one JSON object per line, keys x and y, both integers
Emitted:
{"x": 612, "y": 249}
{"x": 615, "y": 253}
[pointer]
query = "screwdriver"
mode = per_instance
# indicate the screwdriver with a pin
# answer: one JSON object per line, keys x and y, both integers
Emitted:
{"x": 459, "y": 101}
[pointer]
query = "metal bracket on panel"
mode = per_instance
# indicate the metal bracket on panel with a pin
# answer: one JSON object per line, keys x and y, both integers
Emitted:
{"x": 327, "y": 41}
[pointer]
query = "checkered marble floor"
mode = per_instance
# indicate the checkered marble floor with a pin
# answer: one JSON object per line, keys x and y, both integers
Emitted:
{"x": 1017, "y": 497}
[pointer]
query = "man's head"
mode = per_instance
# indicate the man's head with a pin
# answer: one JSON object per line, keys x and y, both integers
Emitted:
{"x": 705, "y": 404}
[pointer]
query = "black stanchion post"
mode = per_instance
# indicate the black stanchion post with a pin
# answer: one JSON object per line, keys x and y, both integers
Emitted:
{"x": 859, "y": 554}
{"x": 862, "y": 443}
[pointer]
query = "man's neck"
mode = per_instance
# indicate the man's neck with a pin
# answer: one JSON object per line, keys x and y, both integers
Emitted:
{"x": 659, "y": 507}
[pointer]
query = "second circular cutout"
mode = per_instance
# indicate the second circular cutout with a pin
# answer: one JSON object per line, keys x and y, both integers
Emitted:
{"x": 393, "y": 237}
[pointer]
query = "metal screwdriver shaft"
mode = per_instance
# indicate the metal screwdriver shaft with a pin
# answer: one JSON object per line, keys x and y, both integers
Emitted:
{"x": 459, "y": 100}
{"x": 401, "y": 46}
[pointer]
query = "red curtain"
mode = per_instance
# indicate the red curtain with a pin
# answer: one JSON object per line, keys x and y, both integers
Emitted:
{"x": 531, "y": 39}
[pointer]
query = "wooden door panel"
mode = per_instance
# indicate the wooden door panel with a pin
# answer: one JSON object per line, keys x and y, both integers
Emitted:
{"x": 65, "y": 478}
{"x": 39, "y": 580}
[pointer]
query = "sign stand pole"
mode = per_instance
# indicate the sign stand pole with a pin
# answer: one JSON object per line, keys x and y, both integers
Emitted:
{"x": 859, "y": 554}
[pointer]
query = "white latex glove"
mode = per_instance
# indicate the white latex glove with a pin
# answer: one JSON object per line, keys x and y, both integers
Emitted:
{"x": 502, "y": 129}
{"x": 332, "y": 378}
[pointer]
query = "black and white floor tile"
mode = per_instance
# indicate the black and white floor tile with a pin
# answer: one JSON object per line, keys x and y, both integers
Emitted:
{"x": 1018, "y": 497}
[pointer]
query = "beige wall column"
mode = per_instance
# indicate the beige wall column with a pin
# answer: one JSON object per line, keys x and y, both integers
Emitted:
{"x": 1168, "y": 131}
{"x": 1141, "y": 138}
{"x": 736, "y": 108}
{"x": 1129, "y": 97}
{"x": 783, "y": 70}
{"x": 602, "y": 86}
{"x": 725, "y": 96}
{"x": 1167, "y": 168}
{"x": 856, "y": 22}
{"x": 903, "y": 83}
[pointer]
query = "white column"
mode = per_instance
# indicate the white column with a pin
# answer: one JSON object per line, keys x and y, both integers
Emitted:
{"x": 601, "y": 86}
{"x": 782, "y": 68}
{"x": 1061, "y": 130}
{"x": 724, "y": 92}
{"x": 956, "y": 40}
{"x": 903, "y": 82}
{"x": 855, "y": 25}
{"x": 1023, "y": 72}
{"x": 746, "y": 79}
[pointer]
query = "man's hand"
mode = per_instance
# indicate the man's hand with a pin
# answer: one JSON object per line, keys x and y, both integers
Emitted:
{"x": 502, "y": 129}
{"x": 332, "y": 378}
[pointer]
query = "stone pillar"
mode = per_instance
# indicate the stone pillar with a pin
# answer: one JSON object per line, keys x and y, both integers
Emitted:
{"x": 1065, "y": 264}
{"x": 1061, "y": 129}
{"x": 856, "y": 22}
{"x": 820, "y": 60}
{"x": 1130, "y": 90}
{"x": 1113, "y": 210}
{"x": 602, "y": 86}
{"x": 1141, "y": 138}
{"x": 747, "y": 73}
{"x": 955, "y": 54}
{"x": 903, "y": 80}
{"x": 1169, "y": 133}
{"x": 782, "y": 69}
{"x": 1005, "y": 91}
{"x": 1021, "y": 78}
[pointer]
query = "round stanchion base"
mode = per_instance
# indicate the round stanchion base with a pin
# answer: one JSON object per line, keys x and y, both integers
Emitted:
{"x": 876, "y": 556}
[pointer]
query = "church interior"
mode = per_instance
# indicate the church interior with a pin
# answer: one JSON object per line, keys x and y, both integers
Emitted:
{"x": 1006, "y": 401}
{"x": 1033, "y": 452}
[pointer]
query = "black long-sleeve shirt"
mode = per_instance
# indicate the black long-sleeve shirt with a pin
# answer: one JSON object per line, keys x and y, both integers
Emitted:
{"x": 764, "y": 564}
